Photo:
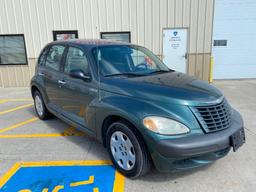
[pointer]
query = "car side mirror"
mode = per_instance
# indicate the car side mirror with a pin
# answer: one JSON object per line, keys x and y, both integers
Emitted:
{"x": 79, "y": 74}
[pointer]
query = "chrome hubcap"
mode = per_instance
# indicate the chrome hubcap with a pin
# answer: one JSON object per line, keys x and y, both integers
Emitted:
{"x": 39, "y": 105}
{"x": 122, "y": 150}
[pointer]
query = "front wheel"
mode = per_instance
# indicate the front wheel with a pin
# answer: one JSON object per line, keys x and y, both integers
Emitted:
{"x": 127, "y": 151}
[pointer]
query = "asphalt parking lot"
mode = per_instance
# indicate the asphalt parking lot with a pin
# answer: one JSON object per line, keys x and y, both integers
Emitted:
{"x": 52, "y": 143}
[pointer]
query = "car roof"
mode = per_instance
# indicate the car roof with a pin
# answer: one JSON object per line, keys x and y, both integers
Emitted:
{"x": 88, "y": 43}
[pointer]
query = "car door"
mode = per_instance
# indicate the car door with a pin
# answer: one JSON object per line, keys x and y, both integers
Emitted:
{"x": 51, "y": 73}
{"x": 77, "y": 94}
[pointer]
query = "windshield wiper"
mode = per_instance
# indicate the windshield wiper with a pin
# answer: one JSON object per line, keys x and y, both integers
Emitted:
{"x": 161, "y": 71}
{"x": 126, "y": 74}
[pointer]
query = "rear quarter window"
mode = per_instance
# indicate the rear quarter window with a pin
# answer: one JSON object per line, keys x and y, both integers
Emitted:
{"x": 41, "y": 59}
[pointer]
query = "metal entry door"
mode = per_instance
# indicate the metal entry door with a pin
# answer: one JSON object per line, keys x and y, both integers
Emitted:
{"x": 175, "y": 49}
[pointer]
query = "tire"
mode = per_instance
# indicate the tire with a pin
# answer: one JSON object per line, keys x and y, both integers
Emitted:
{"x": 124, "y": 144}
{"x": 41, "y": 111}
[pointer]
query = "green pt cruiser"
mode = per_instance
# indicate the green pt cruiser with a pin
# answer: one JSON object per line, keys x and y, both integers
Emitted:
{"x": 144, "y": 113}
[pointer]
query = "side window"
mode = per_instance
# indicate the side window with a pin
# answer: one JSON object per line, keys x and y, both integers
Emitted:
{"x": 76, "y": 59}
{"x": 41, "y": 59}
{"x": 54, "y": 56}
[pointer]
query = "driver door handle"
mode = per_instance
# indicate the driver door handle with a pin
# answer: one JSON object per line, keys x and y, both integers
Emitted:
{"x": 41, "y": 74}
{"x": 61, "y": 82}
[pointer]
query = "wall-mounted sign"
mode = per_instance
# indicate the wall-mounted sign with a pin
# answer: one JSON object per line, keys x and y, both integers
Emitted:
{"x": 65, "y": 35}
{"x": 116, "y": 36}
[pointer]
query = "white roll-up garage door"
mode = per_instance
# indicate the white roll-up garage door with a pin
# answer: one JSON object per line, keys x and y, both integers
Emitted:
{"x": 234, "y": 39}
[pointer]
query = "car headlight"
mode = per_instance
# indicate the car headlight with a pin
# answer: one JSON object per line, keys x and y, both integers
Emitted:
{"x": 164, "y": 125}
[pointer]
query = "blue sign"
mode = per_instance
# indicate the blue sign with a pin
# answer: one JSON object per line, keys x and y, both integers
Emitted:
{"x": 92, "y": 178}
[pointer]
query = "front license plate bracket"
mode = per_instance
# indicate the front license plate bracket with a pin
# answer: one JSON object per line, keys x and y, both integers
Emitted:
{"x": 237, "y": 139}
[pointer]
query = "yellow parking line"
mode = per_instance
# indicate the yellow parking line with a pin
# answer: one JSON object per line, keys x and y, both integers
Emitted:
{"x": 3, "y": 101}
{"x": 119, "y": 182}
{"x": 9, "y": 174}
{"x": 31, "y": 135}
{"x": 19, "y": 124}
{"x": 65, "y": 163}
{"x": 39, "y": 135}
{"x": 17, "y": 99}
{"x": 10, "y": 100}
{"x": 15, "y": 109}
{"x": 70, "y": 131}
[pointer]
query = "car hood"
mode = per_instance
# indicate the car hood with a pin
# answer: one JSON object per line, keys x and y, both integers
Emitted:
{"x": 172, "y": 87}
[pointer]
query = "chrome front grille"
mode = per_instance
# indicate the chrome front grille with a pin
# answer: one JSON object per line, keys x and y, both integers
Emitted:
{"x": 213, "y": 117}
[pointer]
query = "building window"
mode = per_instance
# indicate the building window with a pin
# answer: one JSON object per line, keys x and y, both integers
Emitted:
{"x": 64, "y": 35}
{"x": 220, "y": 43}
{"x": 116, "y": 36}
{"x": 12, "y": 50}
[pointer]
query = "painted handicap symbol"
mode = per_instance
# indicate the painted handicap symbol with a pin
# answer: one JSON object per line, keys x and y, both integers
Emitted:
{"x": 91, "y": 176}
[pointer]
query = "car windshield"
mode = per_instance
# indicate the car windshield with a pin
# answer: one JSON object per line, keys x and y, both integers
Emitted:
{"x": 130, "y": 60}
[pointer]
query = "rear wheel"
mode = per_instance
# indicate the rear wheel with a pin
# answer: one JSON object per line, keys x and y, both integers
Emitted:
{"x": 40, "y": 108}
{"x": 127, "y": 151}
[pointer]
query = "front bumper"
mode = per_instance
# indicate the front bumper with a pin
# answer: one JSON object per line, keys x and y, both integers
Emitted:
{"x": 195, "y": 150}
